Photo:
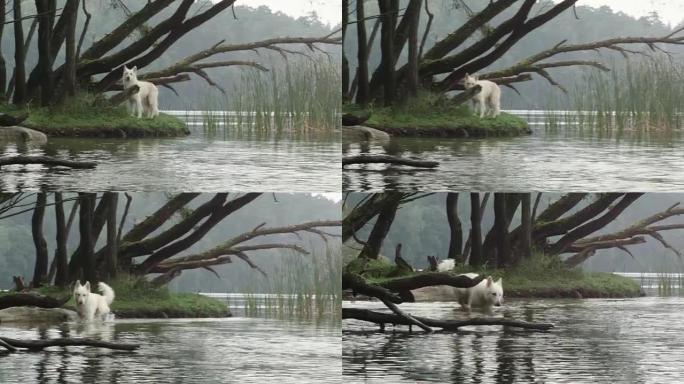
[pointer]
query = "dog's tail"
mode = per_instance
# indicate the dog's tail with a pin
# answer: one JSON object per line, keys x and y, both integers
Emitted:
{"x": 107, "y": 292}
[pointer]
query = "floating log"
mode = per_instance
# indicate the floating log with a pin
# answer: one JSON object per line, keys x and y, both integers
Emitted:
{"x": 382, "y": 318}
{"x": 387, "y": 159}
{"x": 37, "y": 345}
{"x": 46, "y": 161}
{"x": 30, "y": 300}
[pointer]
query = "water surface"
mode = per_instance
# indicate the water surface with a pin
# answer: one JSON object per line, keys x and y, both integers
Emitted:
{"x": 559, "y": 160}
{"x": 595, "y": 341}
{"x": 202, "y": 162}
{"x": 238, "y": 349}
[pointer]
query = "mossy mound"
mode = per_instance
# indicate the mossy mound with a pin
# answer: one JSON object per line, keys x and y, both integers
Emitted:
{"x": 432, "y": 116}
{"x": 97, "y": 120}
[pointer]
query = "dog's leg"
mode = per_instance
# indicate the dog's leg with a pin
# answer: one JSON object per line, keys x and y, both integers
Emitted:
{"x": 139, "y": 105}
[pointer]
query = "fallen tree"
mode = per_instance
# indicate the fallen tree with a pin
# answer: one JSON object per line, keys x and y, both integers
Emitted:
{"x": 387, "y": 159}
{"x": 381, "y": 319}
{"x": 46, "y": 160}
{"x": 32, "y": 300}
{"x": 12, "y": 345}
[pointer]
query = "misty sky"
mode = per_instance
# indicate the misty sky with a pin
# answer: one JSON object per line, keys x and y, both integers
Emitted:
{"x": 670, "y": 11}
{"x": 329, "y": 11}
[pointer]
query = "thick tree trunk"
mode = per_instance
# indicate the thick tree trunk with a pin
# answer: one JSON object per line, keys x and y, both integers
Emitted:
{"x": 500, "y": 231}
{"x": 86, "y": 246}
{"x": 456, "y": 242}
{"x": 62, "y": 265}
{"x": 475, "y": 231}
{"x": 41, "y": 266}
{"x": 388, "y": 15}
{"x": 345, "y": 63}
{"x": 70, "y": 52}
{"x": 380, "y": 230}
{"x": 43, "y": 7}
{"x": 19, "y": 57}
{"x": 526, "y": 226}
{"x": 112, "y": 247}
{"x": 414, "y": 20}
{"x": 3, "y": 66}
{"x": 362, "y": 95}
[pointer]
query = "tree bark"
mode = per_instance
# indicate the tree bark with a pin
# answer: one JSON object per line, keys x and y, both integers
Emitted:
{"x": 414, "y": 21}
{"x": 388, "y": 16}
{"x": 62, "y": 265}
{"x": 363, "y": 94}
{"x": 70, "y": 61}
{"x": 345, "y": 63}
{"x": 44, "y": 9}
{"x": 112, "y": 247}
{"x": 475, "y": 231}
{"x": 19, "y": 57}
{"x": 41, "y": 266}
{"x": 500, "y": 231}
{"x": 42, "y": 344}
{"x": 3, "y": 66}
{"x": 381, "y": 228}
{"x": 456, "y": 241}
{"x": 526, "y": 226}
{"x": 86, "y": 247}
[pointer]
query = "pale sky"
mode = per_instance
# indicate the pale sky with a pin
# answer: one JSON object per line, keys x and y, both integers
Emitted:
{"x": 329, "y": 11}
{"x": 670, "y": 11}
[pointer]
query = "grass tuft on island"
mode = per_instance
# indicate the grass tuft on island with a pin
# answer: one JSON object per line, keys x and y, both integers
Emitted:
{"x": 537, "y": 277}
{"x": 89, "y": 116}
{"x": 430, "y": 115}
{"x": 138, "y": 298}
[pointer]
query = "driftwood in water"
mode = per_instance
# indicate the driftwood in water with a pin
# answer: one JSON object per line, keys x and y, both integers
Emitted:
{"x": 46, "y": 161}
{"x": 387, "y": 159}
{"x": 32, "y": 300}
{"x": 446, "y": 325}
{"x": 7, "y": 120}
{"x": 37, "y": 345}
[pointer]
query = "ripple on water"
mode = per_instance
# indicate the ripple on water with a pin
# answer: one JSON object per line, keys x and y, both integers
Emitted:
{"x": 242, "y": 350}
{"x": 597, "y": 341}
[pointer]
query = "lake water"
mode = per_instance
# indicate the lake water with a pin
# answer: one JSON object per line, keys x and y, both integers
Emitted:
{"x": 636, "y": 340}
{"x": 237, "y": 349}
{"x": 560, "y": 160}
{"x": 201, "y": 162}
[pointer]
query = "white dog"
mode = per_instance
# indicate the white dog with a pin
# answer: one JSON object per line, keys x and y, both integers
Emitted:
{"x": 488, "y": 101}
{"x": 487, "y": 294}
{"x": 146, "y": 99}
{"x": 88, "y": 304}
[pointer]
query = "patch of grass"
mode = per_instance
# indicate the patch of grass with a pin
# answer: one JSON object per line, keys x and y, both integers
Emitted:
{"x": 547, "y": 277}
{"x": 137, "y": 298}
{"x": 88, "y": 116}
{"x": 431, "y": 115}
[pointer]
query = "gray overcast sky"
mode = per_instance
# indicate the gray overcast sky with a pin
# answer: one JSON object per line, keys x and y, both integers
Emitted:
{"x": 670, "y": 11}
{"x": 330, "y": 11}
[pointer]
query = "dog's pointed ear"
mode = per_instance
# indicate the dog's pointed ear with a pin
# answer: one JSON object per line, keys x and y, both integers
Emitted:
{"x": 500, "y": 281}
{"x": 77, "y": 283}
{"x": 125, "y": 68}
{"x": 489, "y": 281}
{"x": 135, "y": 68}
{"x": 87, "y": 285}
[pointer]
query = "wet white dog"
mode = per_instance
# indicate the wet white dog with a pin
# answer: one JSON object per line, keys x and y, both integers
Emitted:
{"x": 488, "y": 101}
{"x": 90, "y": 305}
{"x": 146, "y": 100}
{"x": 484, "y": 296}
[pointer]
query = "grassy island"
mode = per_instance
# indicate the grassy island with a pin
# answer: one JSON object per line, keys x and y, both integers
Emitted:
{"x": 431, "y": 116}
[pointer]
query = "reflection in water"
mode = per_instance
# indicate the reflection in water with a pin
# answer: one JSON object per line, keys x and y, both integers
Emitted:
{"x": 597, "y": 341}
{"x": 238, "y": 349}
{"x": 200, "y": 162}
{"x": 563, "y": 159}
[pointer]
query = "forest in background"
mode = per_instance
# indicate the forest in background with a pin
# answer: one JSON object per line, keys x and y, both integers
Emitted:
{"x": 586, "y": 25}
{"x": 247, "y": 24}
{"x": 17, "y": 251}
{"x": 422, "y": 228}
